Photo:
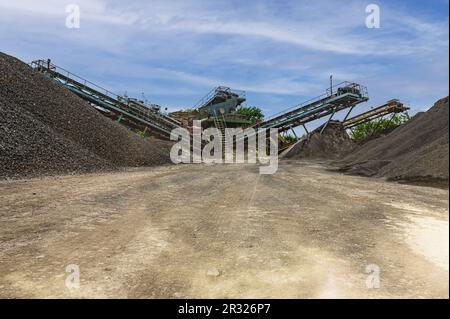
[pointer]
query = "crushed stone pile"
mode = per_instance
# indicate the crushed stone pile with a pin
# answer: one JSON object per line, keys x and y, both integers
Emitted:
{"x": 333, "y": 143}
{"x": 416, "y": 152}
{"x": 45, "y": 129}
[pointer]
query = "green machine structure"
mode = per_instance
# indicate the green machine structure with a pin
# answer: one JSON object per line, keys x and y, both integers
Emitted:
{"x": 131, "y": 112}
{"x": 219, "y": 108}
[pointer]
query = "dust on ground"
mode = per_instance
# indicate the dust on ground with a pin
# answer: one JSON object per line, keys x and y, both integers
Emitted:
{"x": 222, "y": 231}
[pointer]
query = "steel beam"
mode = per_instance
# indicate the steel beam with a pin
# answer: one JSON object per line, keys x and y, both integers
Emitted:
{"x": 348, "y": 113}
{"x": 295, "y": 134}
{"x": 306, "y": 130}
{"x": 326, "y": 124}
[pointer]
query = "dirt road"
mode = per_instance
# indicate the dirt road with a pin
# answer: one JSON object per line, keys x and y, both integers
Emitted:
{"x": 223, "y": 231}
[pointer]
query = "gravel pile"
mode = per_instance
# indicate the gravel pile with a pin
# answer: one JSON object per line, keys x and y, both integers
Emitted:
{"x": 333, "y": 143}
{"x": 416, "y": 152}
{"x": 45, "y": 129}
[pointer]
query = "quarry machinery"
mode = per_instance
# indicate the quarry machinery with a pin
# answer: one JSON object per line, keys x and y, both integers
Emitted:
{"x": 393, "y": 106}
{"x": 345, "y": 95}
{"x": 221, "y": 99}
{"x": 130, "y": 111}
{"x": 218, "y": 108}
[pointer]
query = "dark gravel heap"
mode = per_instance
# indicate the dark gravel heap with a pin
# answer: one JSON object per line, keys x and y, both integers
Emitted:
{"x": 333, "y": 143}
{"x": 416, "y": 152}
{"x": 45, "y": 129}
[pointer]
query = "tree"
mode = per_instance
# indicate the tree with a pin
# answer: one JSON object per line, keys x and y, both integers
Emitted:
{"x": 290, "y": 138}
{"x": 251, "y": 113}
{"x": 365, "y": 130}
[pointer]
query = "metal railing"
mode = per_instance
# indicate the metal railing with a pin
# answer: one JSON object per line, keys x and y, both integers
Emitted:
{"x": 214, "y": 92}
{"x": 99, "y": 95}
{"x": 327, "y": 94}
{"x": 45, "y": 64}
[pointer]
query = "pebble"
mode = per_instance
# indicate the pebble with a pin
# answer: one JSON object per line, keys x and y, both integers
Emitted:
{"x": 213, "y": 272}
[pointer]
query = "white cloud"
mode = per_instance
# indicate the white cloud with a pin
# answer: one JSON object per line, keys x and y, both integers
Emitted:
{"x": 262, "y": 47}
{"x": 326, "y": 26}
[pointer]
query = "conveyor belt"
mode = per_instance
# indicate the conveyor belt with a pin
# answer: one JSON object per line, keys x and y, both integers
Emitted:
{"x": 342, "y": 96}
{"x": 136, "y": 112}
{"x": 391, "y": 107}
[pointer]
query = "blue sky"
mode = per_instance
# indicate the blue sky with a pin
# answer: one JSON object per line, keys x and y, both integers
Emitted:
{"x": 280, "y": 52}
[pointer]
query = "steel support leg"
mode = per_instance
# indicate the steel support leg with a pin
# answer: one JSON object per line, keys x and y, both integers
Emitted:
{"x": 326, "y": 124}
{"x": 296, "y": 137}
{"x": 349, "y": 111}
{"x": 390, "y": 120}
{"x": 306, "y": 130}
{"x": 378, "y": 124}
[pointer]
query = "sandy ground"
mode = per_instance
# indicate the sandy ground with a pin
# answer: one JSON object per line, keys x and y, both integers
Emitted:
{"x": 223, "y": 231}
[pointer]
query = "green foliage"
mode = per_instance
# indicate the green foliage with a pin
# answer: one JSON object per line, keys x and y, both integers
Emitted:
{"x": 290, "y": 138}
{"x": 364, "y": 130}
{"x": 251, "y": 113}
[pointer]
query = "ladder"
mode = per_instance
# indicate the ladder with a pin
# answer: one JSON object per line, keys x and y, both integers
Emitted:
{"x": 219, "y": 123}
